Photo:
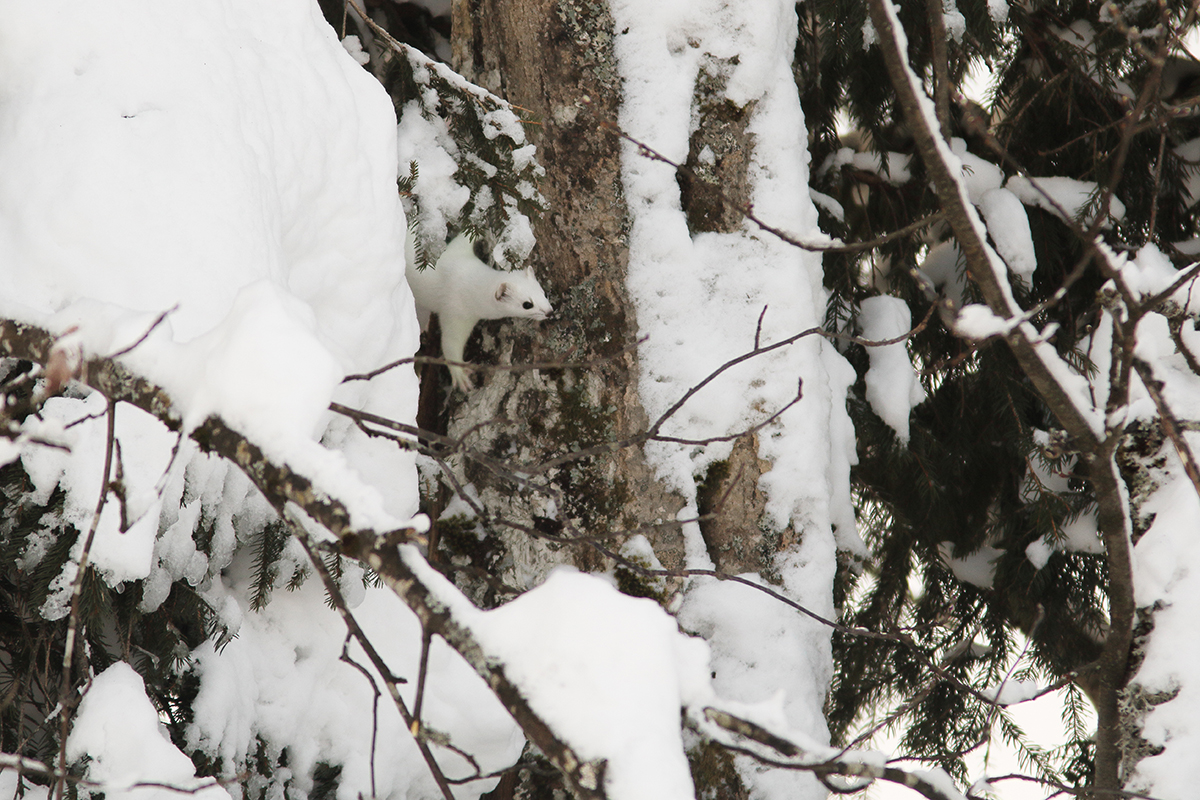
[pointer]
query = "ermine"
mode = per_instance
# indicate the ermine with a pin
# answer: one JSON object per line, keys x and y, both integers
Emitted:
{"x": 461, "y": 289}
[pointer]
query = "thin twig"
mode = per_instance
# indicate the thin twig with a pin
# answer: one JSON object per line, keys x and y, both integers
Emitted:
{"x": 422, "y": 673}
{"x": 64, "y": 701}
{"x": 1170, "y": 422}
{"x": 157, "y": 321}
{"x": 748, "y": 209}
{"x": 522, "y": 367}
{"x": 352, "y": 626}
{"x": 345, "y": 657}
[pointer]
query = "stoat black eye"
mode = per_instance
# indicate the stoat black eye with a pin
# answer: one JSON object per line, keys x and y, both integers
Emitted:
{"x": 481, "y": 250}
{"x": 528, "y": 304}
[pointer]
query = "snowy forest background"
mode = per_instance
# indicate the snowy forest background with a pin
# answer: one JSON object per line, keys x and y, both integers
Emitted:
{"x": 865, "y": 414}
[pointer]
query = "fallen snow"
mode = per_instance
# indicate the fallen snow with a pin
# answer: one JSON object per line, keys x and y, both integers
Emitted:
{"x": 977, "y": 568}
{"x": 893, "y": 386}
{"x": 1066, "y": 198}
{"x": 282, "y": 679}
{"x": 1167, "y": 571}
{"x": 1008, "y": 224}
{"x": 1012, "y": 692}
{"x": 230, "y": 164}
{"x": 119, "y": 729}
{"x": 608, "y": 672}
{"x": 945, "y": 268}
{"x": 978, "y": 175}
{"x": 698, "y": 300}
{"x": 248, "y": 186}
{"x": 976, "y": 321}
{"x": 892, "y": 167}
{"x": 1151, "y": 272}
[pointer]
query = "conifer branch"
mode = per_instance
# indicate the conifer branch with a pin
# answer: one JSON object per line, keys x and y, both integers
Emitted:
{"x": 382, "y": 553}
{"x": 23, "y": 765}
{"x": 1045, "y": 370}
{"x": 116, "y": 382}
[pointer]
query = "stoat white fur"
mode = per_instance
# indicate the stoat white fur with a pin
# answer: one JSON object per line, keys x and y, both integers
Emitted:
{"x": 462, "y": 290}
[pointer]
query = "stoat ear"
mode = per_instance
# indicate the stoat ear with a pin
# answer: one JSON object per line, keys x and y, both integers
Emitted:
{"x": 529, "y": 272}
{"x": 501, "y": 291}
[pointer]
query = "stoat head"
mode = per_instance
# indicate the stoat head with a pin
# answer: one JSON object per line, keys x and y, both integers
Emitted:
{"x": 520, "y": 295}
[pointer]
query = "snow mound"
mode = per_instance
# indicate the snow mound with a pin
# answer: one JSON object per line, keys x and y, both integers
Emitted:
{"x": 119, "y": 728}
{"x": 225, "y": 162}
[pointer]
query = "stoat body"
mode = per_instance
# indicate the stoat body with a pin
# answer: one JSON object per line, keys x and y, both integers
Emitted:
{"x": 462, "y": 290}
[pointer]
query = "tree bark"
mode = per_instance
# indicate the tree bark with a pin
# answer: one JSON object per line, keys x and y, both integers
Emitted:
{"x": 553, "y": 59}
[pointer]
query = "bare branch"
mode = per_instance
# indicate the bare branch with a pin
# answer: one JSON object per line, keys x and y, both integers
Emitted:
{"x": 527, "y": 366}
{"x": 311, "y": 547}
{"x": 345, "y": 658}
{"x": 833, "y": 246}
{"x": 65, "y": 699}
{"x": 775, "y": 750}
{"x": 1170, "y": 422}
{"x": 153, "y": 325}
{"x": 30, "y": 766}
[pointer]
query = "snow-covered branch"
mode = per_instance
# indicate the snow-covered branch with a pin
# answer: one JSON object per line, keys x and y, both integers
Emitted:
{"x": 781, "y": 751}
{"x": 279, "y": 483}
{"x": 1058, "y": 386}
{"x": 441, "y": 608}
{"x": 282, "y": 487}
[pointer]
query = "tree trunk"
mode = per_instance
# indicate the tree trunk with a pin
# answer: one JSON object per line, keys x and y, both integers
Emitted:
{"x": 554, "y": 60}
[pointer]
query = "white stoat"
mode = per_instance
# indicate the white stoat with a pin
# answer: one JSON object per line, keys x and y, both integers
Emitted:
{"x": 462, "y": 290}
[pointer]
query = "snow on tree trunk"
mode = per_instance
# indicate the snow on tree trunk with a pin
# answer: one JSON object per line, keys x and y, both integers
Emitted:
{"x": 632, "y": 247}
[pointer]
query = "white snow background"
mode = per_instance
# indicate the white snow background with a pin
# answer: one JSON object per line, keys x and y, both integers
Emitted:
{"x": 231, "y": 159}
{"x": 232, "y": 163}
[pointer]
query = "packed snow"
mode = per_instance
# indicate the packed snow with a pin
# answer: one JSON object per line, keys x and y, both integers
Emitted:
{"x": 1067, "y": 198}
{"x": 229, "y": 164}
{"x": 1008, "y": 225}
{"x": 282, "y": 679}
{"x": 1166, "y": 557}
{"x": 977, "y": 568}
{"x": 119, "y": 730}
{"x": 610, "y": 673}
{"x": 698, "y": 300}
{"x": 236, "y": 169}
{"x": 234, "y": 166}
{"x": 891, "y": 167}
{"x": 147, "y": 172}
{"x": 893, "y": 385}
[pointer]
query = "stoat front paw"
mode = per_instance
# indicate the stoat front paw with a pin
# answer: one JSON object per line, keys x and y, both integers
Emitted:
{"x": 461, "y": 379}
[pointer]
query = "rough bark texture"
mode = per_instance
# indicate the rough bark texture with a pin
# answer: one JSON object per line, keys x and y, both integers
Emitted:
{"x": 554, "y": 60}
{"x": 731, "y": 502}
{"x": 715, "y": 188}
{"x": 714, "y": 191}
